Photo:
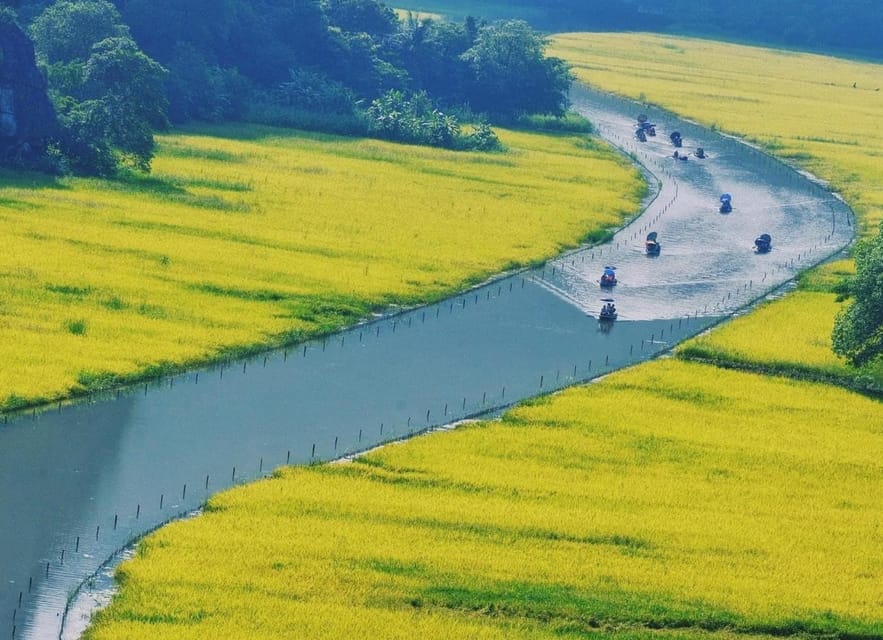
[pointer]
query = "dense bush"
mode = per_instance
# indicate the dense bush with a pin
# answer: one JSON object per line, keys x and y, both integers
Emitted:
{"x": 414, "y": 119}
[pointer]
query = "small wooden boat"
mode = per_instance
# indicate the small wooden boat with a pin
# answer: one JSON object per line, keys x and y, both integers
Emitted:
{"x": 651, "y": 245}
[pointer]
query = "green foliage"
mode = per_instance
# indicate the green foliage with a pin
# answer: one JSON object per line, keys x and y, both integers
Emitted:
{"x": 129, "y": 86}
{"x": 200, "y": 90}
{"x": 309, "y": 64}
{"x": 77, "y": 327}
{"x": 66, "y": 31}
{"x": 570, "y": 122}
{"x": 109, "y": 95}
{"x": 267, "y": 112}
{"x": 483, "y": 138}
{"x": 362, "y": 16}
{"x": 393, "y": 116}
{"x": 512, "y": 75}
{"x": 433, "y": 57}
{"x": 311, "y": 91}
{"x": 7, "y": 16}
{"x": 858, "y": 329}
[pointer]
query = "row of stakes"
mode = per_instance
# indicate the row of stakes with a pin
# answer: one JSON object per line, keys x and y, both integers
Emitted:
{"x": 466, "y": 410}
{"x": 364, "y": 333}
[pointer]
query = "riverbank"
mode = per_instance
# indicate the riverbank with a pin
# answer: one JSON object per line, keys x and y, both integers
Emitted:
{"x": 220, "y": 254}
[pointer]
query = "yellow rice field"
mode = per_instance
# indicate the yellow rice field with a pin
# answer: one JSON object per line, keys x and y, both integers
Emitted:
{"x": 670, "y": 500}
{"x": 791, "y": 335}
{"x": 250, "y": 236}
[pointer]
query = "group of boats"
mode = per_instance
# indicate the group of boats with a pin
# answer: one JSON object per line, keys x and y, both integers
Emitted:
{"x": 652, "y": 247}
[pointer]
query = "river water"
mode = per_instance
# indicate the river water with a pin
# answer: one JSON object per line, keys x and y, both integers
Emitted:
{"x": 79, "y": 482}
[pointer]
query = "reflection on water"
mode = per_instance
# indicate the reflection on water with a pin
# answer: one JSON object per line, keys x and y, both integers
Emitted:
{"x": 79, "y": 483}
{"x": 707, "y": 263}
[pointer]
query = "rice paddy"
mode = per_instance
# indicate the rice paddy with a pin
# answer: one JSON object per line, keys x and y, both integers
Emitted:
{"x": 249, "y": 237}
{"x": 670, "y": 500}
{"x": 791, "y": 335}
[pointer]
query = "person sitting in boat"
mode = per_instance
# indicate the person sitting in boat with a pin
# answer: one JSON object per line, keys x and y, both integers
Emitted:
{"x": 608, "y": 278}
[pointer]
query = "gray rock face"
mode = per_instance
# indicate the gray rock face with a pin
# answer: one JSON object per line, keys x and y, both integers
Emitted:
{"x": 27, "y": 118}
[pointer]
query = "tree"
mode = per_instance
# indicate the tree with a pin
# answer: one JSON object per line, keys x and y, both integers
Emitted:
{"x": 362, "y": 16}
{"x": 109, "y": 95}
{"x": 66, "y": 31}
{"x": 433, "y": 57}
{"x": 129, "y": 85}
{"x": 512, "y": 75}
{"x": 858, "y": 329}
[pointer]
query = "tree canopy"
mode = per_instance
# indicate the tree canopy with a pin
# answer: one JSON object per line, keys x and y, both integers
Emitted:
{"x": 858, "y": 329}
{"x": 511, "y": 73}
{"x": 109, "y": 95}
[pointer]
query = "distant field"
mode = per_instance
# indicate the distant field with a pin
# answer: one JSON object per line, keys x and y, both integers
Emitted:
{"x": 406, "y": 14}
{"x": 459, "y": 9}
{"x": 802, "y": 108}
{"x": 255, "y": 236}
{"x": 672, "y": 500}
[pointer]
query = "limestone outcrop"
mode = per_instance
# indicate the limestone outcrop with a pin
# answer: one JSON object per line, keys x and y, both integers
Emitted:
{"x": 27, "y": 118}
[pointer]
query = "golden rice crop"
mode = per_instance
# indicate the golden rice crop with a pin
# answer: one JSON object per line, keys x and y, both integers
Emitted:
{"x": 670, "y": 496}
{"x": 249, "y": 236}
{"x": 789, "y": 333}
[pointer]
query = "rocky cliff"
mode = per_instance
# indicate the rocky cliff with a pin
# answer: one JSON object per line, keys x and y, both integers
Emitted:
{"x": 27, "y": 118}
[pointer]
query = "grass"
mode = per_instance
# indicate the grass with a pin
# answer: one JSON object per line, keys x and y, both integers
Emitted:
{"x": 245, "y": 237}
{"x": 790, "y": 336}
{"x": 670, "y": 500}
{"x": 817, "y": 112}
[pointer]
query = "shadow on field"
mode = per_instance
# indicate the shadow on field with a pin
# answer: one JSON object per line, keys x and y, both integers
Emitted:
{"x": 29, "y": 180}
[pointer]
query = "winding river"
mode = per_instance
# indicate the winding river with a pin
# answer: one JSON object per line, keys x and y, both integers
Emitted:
{"x": 79, "y": 482}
